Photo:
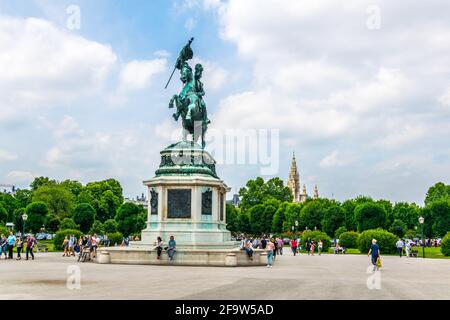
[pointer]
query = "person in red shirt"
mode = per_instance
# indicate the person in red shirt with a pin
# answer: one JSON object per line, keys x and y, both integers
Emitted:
{"x": 31, "y": 241}
{"x": 294, "y": 245}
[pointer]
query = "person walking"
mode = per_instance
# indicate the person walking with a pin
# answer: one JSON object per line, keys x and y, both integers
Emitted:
{"x": 19, "y": 246}
{"x": 320, "y": 246}
{"x": 159, "y": 247}
{"x": 65, "y": 246}
{"x": 280, "y": 246}
{"x": 312, "y": 247}
{"x": 308, "y": 246}
{"x": 400, "y": 246}
{"x": 375, "y": 254}
{"x": 3, "y": 246}
{"x": 408, "y": 249}
{"x": 294, "y": 245}
{"x": 172, "y": 248}
{"x": 31, "y": 241}
{"x": 270, "y": 250}
{"x": 11, "y": 242}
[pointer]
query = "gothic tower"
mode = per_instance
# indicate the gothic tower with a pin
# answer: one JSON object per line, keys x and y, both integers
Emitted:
{"x": 316, "y": 192}
{"x": 294, "y": 180}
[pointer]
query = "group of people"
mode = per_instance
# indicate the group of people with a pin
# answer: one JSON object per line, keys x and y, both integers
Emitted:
{"x": 310, "y": 246}
{"x": 170, "y": 248}
{"x": 7, "y": 245}
{"x": 272, "y": 246}
{"x": 86, "y": 245}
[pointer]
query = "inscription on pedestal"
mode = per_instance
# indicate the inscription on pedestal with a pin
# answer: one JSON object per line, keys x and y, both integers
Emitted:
{"x": 207, "y": 203}
{"x": 179, "y": 203}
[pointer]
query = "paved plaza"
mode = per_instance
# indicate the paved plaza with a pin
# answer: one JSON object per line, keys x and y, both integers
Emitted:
{"x": 300, "y": 277}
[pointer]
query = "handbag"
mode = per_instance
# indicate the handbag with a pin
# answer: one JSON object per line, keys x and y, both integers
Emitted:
{"x": 379, "y": 263}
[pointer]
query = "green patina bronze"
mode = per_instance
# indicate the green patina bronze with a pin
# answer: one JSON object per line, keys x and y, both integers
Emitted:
{"x": 186, "y": 158}
{"x": 189, "y": 104}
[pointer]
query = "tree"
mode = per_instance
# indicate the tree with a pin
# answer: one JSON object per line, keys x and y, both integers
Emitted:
{"x": 439, "y": 191}
{"x": 74, "y": 187}
{"x": 389, "y": 212}
{"x": 312, "y": 214}
{"x": 52, "y": 223}
{"x": 37, "y": 212}
{"x": 279, "y": 218}
{"x": 257, "y": 192}
{"x": 370, "y": 215}
{"x": 9, "y": 203}
{"x": 232, "y": 218}
{"x": 97, "y": 189}
{"x": 292, "y": 215}
{"x": 67, "y": 224}
{"x": 41, "y": 181}
{"x": 339, "y": 232}
{"x": 408, "y": 213}
{"x": 398, "y": 228}
{"x": 107, "y": 206}
{"x": 333, "y": 218}
{"x": 23, "y": 197}
{"x": 84, "y": 215}
{"x": 110, "y": 226}
{"x": 244, "y": 222}
{"x": 256, "y": 215}
{"x": 440, "y": 211}
{"x": 129, "y": 220}
{"x": 97, "y": 228}
{"x": 59, "y": 200}
{"x": 349, "y": 215}
{"x": 85, "y": 196}
{"x": 3, "y": 214}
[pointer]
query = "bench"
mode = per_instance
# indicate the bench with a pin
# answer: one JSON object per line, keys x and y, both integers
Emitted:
{"x": 340, "y": 250}
{"x": 42, "y": 248}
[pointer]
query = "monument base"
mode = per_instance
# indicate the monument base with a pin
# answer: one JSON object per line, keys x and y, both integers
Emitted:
{"x": 182, "y": 257}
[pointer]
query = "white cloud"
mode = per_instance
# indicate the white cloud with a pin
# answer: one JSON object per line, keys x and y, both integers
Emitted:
{"x": 20, "y": 177}
{"x": 136, "y": 75}
{"x": 42, "y": 63}
{"x": 7, "y": 156}
{"x": 335, "y": 159}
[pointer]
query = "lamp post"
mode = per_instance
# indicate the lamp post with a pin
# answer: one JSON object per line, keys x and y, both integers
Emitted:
{"x": 24, "y": 218}
{"x": 421, "y": 221}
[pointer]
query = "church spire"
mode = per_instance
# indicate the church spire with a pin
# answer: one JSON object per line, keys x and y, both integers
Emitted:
{"x": 294, "y": 179}
{"x": 316, "y": 192}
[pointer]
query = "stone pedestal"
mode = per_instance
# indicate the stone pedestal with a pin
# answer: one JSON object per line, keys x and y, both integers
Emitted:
{"x": 187, "y": 200}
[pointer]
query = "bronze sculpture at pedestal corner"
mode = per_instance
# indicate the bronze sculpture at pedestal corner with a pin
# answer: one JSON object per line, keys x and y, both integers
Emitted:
{"x": 189, "y": 103}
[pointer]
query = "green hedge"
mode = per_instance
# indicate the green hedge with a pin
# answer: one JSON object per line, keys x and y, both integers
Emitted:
{"x": 115, "y": 237}
{"x": 349, "y": 239}
{"x": 60, "y": 235}
{"x": 316, "y": 236}
{"x": 385, "y": 240}
{"x": 445, "y": 245}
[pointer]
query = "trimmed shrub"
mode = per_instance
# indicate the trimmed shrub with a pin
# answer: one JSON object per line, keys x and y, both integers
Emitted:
{"x": 445, "y": 245}
{"x": 349, "y": 239}
{"x": 60, "y": 235}
{"x": 115, "y": 238}
{"x": 316, "y": 236}
{"x": 110, "y": 226}
{"x": 68, "y": 223}
{"x": 385, "y": 240}
{"x": 340, "y": 231}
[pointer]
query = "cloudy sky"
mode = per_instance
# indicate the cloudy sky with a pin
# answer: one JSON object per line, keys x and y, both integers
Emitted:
{"x": 360, "y": 90}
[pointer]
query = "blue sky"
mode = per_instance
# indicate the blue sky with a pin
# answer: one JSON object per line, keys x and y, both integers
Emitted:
{"x": 358, "y": 89}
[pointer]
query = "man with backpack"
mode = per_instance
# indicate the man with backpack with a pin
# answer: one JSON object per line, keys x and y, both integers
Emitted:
{"x": 31, "y": 241}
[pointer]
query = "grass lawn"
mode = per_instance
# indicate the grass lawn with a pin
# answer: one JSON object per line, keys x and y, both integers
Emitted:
{"x": 48, "y": 243}
{"x": 430, "y": 253}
